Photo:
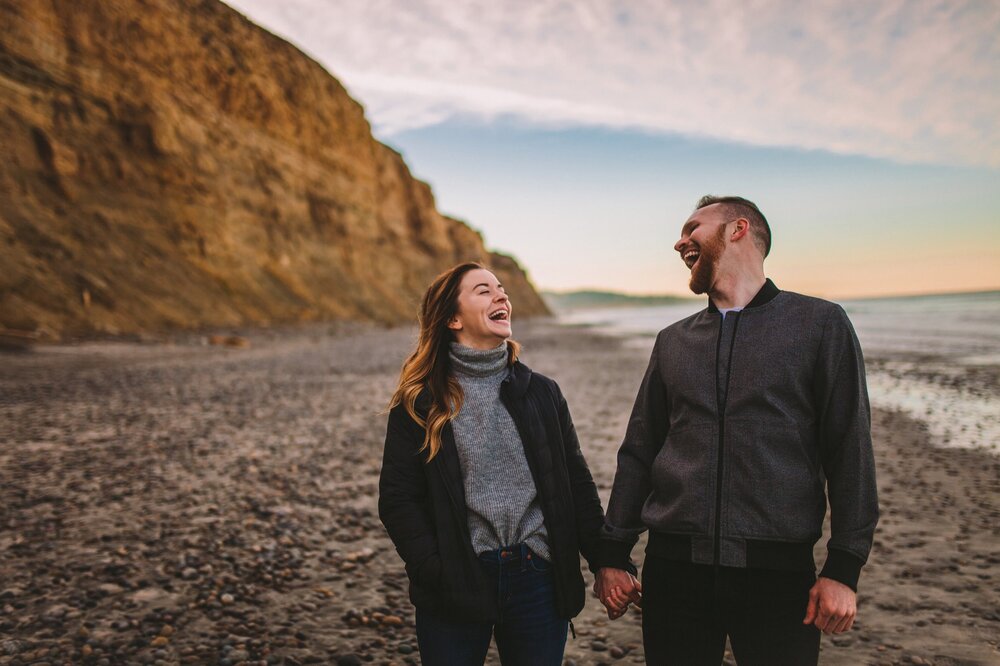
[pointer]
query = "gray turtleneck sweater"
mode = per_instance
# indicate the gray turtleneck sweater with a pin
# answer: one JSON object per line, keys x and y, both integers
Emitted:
{"x": 499, "y": 491}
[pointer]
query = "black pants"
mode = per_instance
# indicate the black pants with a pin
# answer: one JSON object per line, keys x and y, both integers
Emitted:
{"x": 689, "y": 609}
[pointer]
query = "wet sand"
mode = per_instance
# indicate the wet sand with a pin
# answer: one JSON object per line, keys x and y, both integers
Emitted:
{"x": 172, "y": 502}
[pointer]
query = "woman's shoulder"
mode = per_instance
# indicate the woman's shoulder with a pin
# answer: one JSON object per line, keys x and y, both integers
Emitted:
{"x": 530, "y": 380}
{"x": 401, "y": 416}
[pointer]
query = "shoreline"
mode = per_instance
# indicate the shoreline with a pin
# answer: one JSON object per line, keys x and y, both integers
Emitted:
{"x": 195, "y": 504}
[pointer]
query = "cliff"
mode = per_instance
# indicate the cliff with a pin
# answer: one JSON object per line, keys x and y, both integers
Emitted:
{"x": 169, "y": 164}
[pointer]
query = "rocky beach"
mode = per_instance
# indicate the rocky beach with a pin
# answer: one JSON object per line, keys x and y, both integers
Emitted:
{"x": 171, "y": 501}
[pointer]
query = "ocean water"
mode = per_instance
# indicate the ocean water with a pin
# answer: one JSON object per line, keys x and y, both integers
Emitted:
{"x": 936, "y": 358}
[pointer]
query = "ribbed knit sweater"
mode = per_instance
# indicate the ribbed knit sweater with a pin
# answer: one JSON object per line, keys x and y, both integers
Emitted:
{"x": 499, "y": 490}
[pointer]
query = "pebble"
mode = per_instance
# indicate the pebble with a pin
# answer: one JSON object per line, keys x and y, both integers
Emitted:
{"x": 227, "y": 599}
{"x": 349, "y": 660}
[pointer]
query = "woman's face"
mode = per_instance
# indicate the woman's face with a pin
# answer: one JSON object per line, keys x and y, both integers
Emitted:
{"x": 483, "y": 317}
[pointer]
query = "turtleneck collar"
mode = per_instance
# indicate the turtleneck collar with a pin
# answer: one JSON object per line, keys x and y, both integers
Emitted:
{"x": 478, "y": 362}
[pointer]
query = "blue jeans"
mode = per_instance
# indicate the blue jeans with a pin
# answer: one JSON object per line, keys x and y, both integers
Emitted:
{"x": 528, "y": 631}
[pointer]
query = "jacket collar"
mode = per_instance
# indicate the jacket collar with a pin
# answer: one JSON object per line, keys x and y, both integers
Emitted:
{"x": 518, "y": 379}
{"x": 766, "y": 293}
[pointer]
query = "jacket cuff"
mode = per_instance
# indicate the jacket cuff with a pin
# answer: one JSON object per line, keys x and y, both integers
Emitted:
{"x": 613, "y": 554}
{"x": 843, "y": 567}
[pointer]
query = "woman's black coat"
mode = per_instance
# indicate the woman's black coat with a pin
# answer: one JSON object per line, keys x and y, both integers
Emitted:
{"x": 422, "y": 505}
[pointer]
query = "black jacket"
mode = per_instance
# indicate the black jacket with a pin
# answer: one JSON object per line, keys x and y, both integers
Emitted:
{"x": 422, "y": 505}
{"x": 735, "y": 442}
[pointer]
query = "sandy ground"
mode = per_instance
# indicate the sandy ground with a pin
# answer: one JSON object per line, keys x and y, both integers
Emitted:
{"x": 179, "y": 503}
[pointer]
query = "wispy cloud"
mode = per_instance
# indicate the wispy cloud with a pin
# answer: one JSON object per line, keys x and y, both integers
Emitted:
{"x": 909, "y": 81}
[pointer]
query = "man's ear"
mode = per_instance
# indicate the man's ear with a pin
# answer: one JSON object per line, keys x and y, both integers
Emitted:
{"x": 741, "y": 229}
{"x": 455, "y": 324}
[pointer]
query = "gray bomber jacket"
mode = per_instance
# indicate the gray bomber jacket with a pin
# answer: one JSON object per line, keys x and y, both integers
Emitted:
{"x": 738, "y": 474}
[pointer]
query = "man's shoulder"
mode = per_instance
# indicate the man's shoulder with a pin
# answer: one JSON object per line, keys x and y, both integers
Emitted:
{"x": 682, "y": 324}
{"x": 795, "y": 300}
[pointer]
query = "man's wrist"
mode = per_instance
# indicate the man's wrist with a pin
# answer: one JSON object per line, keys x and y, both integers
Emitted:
{"x": 613, "y": 554}
{"x": 843, "y": 567}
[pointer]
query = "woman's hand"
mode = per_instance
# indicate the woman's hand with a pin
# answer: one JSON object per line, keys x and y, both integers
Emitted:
{"x": 617, "y": 588}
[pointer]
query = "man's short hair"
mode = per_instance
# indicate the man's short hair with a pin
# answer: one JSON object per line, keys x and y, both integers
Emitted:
{"x": 736, "y": 207}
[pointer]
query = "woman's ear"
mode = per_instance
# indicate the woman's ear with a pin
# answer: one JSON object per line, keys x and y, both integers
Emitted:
{"x": 455, "y": 323}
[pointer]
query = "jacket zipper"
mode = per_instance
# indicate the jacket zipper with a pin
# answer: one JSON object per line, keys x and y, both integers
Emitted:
{"x": 721, "y": 407}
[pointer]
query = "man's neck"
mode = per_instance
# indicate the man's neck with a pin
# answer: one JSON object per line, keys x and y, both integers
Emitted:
{"x": 736, "y": 290}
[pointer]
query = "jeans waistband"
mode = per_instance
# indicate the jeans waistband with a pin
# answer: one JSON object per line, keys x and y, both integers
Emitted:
{"x": 508, "y": 556}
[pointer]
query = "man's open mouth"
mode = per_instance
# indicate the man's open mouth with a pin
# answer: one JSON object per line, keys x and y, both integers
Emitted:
{"x": 690, "y": 257}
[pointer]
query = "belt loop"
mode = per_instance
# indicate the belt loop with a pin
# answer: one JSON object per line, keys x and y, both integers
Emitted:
{"x": 525, "y": 554}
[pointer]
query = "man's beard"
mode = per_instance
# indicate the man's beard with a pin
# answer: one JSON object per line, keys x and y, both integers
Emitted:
{"x": 703, "y": 273}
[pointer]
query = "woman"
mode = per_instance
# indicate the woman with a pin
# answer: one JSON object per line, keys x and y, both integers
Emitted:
{"x": 484, "y": 490}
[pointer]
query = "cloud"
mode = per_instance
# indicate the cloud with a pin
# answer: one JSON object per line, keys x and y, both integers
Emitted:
{"x": 909, "y": 81}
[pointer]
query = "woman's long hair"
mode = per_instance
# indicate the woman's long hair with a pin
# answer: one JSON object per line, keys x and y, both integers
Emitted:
{"x": 429, "y": 366}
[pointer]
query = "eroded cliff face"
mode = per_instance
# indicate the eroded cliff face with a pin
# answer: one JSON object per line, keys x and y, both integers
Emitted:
{"x": 168, "y": 164}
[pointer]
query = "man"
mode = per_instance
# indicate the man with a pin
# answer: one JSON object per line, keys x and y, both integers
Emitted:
{"x": 750, "y": 413}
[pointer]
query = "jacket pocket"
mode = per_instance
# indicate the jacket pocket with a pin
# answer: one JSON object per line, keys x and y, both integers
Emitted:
{"x": 428, "y": 574}
{"x": 683, "y": 480}
{"x": 774, "y": 489}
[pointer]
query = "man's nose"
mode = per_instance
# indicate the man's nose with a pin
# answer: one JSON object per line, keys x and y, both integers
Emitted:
{"x": 679, "y": 244}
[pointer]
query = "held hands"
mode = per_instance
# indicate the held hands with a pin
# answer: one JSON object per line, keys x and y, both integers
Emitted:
{"x": 832, "y": 606}
{"x": 616, "y": 589}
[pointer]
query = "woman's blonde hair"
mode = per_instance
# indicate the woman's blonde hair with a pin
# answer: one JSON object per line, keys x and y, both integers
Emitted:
{"x": 429, "y": 366}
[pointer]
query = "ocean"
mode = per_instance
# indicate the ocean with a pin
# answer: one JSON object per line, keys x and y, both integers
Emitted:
{"x": 935, "y": 358}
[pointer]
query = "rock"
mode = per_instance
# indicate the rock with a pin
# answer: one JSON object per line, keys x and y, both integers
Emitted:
{"x": 229, "y": 341}
{"x": 349, "y": 660}
{"x": 227, "y": 599}
{"x": 307, "y": 198}
{"x": 160, "y": 641}
{"x": 598, "y": 646}
{"x": 12, "y": 647}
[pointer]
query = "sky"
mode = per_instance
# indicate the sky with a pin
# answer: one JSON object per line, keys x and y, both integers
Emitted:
{"x": 578, "y": 135}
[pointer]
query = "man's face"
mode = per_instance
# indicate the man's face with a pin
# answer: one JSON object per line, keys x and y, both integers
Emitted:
{"x": 701, "y": 245}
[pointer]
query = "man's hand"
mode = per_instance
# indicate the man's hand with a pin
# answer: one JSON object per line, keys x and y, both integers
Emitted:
{"x": 832, "y": 606}
{"x": 616, "y": 588}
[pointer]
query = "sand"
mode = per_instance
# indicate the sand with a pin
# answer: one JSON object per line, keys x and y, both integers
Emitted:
{"x": 173, "y": 502}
